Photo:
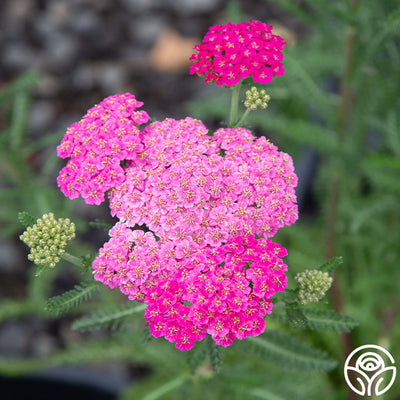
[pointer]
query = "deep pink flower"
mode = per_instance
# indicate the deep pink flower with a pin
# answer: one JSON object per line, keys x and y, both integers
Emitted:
{"x": 233, "y": 52}
{"x": 219, "y": 292}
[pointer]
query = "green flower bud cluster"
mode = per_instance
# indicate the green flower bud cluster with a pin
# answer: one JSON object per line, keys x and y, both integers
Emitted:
{"x": 48, "y": 239}
{"x": 256, "y": 98}
{"x": 312, "y": 285}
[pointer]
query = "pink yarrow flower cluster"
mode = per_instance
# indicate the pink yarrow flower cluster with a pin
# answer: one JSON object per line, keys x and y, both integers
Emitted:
{"x": 232, "y": 52}
{"x": 190, "y": 205}
{"x": 98, "y": 145}
{"x": 224, "y": 292}
{"x": 189, "y": 185}
{"x": 200, "y": 201}
{"x": 191, "y": 290}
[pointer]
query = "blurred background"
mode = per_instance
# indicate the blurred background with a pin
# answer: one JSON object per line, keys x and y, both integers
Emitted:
{"x": 335, "y": 111}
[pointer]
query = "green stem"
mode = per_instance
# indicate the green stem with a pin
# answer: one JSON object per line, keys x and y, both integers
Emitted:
{"x": 234, "y": 105}
{"x": 244, "y": 116}
{"x": 72, "y": 259}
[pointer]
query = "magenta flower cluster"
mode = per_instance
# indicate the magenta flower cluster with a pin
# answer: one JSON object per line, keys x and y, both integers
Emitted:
{"x": 190, "y": 207}
{"x": 232, "y": 52}
{"x": 223, "y": 292}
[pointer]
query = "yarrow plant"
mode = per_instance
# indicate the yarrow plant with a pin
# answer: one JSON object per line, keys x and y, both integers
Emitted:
{"x": 195, "y": 209}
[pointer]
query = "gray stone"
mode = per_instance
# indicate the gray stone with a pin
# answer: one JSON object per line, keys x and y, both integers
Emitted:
{"x": 146, "y": 30}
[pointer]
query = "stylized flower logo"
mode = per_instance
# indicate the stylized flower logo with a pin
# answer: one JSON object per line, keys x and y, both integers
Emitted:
{"x": 369, "y": 373}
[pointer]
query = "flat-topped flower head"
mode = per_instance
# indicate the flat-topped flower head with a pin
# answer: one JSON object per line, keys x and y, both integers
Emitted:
{"x": 232, "y": 52}
{"x": 224, "y": 292}
{"x": 209, "y": 189}
{"x": 48, "y": 238}
{"x": 106, "y": 137}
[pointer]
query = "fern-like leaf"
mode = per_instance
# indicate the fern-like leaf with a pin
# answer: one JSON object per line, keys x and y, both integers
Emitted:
{"x": 288, "y": 352}
{"x": 315, "y": 319}
{"x": 295, "y": 316}
{"x": 26, "y": 219}
{"x": 328, "y": 320}
{"x": 73, "y": 298}
{"x": 214, "y": 352}
{"x": 331, "y": 264}
{"x": 112, "y": 317}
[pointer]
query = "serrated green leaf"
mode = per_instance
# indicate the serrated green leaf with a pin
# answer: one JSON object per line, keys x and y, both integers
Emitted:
{"x": 331, "y": 264}
{"x": 328, "y": 320}
{"x": 289, "y": 296}
{"x": 288, "y": 352}
{"x": 73, "y": 298}
{"x": 214, "y": 352}
{"x": 112, "y": 316}
{"x": 295, "y": 316}
{"x": 26, "y": 219}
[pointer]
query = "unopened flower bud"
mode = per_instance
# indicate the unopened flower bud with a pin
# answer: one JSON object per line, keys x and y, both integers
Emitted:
{"x": 312, "y": 285}
{"x": 256, "y": 98}
{"x": 48, "y": 239}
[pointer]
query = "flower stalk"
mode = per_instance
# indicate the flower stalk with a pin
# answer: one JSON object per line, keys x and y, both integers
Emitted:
{"x": 233, "y": 116}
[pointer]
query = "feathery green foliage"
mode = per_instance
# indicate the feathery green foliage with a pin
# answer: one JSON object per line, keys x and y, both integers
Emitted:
{"x": 290, "y": 353}
{"x": 214, "y": 352}
{"x": 328, "y": 320}
{"x": 112, "y": 317}
{"x": 73, "y": 298}
{"x": 331, "y": 265}
{"x": 316, "y": 319}
{"x": 26, "y": 219}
